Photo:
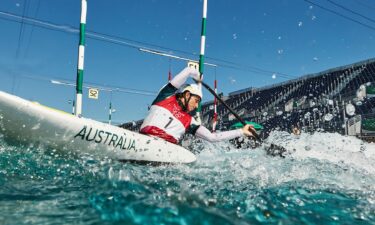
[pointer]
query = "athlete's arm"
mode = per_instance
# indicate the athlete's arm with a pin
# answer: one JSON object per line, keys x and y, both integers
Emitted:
{"x": 181, "y": 78}
{"x": 171, "y": 88}
{"x": 204, "y": 133}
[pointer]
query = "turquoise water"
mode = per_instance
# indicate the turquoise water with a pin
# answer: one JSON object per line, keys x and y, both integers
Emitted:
{"x": 324, "y": 179}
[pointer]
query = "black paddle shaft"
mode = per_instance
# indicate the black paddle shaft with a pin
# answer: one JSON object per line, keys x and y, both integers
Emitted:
{"x": 229, "y": 108}
{"x": 273, "y": 149}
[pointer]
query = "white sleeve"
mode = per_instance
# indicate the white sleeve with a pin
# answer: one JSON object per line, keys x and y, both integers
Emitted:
{"x": 181, "y": 78}
{"x": 204, "y": 133}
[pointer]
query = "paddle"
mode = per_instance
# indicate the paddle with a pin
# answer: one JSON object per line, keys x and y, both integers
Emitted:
{"x": 201, "y": 69}
{"x": 253, "y": 132}
{"x": 273, "y": 149}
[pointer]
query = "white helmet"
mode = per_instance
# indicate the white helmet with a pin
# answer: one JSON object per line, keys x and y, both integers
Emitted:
{"x": 193, "y": 89}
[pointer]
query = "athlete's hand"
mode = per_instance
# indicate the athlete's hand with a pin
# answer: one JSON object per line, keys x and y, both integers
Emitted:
{"x": 246, "y": 130}
{"x": 194, "y": 73}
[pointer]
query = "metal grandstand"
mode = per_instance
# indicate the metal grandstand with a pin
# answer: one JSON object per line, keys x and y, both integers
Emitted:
{"x": 327, "y": 101}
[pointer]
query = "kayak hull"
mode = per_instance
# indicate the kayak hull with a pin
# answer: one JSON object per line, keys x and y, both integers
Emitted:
{"x": 31, "y": 122}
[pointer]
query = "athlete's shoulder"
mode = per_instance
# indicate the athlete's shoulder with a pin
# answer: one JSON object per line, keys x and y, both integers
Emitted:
{"x": 165, "y": 92}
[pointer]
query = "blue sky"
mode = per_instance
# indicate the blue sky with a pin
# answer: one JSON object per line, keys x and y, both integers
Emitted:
{"x": 284, "y": 38}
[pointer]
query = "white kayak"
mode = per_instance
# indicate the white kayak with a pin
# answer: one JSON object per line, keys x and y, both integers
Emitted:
{"x": 31, "y": 122}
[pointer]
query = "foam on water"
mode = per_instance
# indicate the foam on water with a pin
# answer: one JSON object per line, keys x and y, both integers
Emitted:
{"x": 324, "y": 178}
{"x": 321, "y": 165}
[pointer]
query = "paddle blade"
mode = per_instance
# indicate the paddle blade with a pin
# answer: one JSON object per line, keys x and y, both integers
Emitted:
{"x": 275, "y": 150}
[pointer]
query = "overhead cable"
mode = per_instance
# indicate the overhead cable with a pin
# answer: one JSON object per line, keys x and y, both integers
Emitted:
{"x": 134, "y": 44}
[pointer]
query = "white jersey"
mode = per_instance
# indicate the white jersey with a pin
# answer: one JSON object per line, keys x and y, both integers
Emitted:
{"x": 167, "y": 119}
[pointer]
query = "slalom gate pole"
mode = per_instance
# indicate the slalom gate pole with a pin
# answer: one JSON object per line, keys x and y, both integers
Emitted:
{"x": 201, "y": 55}
{"x": 81, "y": 55}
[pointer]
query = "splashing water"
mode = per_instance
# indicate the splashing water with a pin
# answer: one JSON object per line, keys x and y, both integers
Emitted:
{"x": 324, "y": 179}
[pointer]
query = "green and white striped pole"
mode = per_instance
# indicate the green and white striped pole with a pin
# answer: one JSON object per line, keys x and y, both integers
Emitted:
{"x": 203, "y": 46}
{"x": 81, "y": 56}
{"x": 110, "y": 113}
{"x": 110, "y": 110}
